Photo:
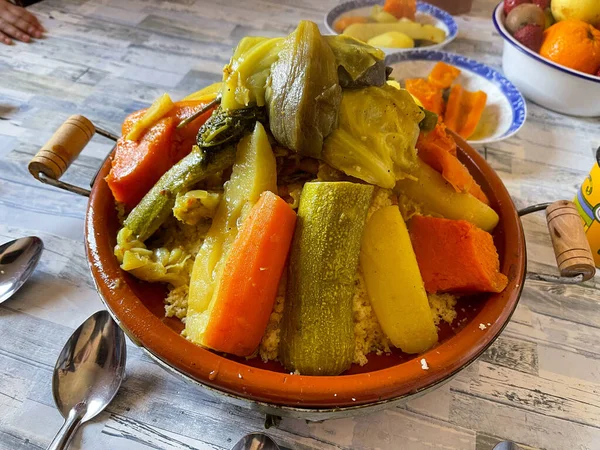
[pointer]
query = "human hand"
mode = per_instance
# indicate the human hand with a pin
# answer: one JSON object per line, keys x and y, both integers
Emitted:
{"x": 17, "y": 23}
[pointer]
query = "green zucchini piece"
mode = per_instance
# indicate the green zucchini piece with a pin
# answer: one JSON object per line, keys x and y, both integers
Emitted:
{"x": 317, "y": 334}
{"x": 157, "y": 204}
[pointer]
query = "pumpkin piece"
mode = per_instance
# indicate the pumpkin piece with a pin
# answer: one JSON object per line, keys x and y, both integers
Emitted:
{"x": 442, "y": 75}
{"x": 455, "y": 256}
{"x": 464, "y": 110}
{"x": 438, "y": 149}
{"x": 429, "y": 95}
{"x": 401, "y": 8}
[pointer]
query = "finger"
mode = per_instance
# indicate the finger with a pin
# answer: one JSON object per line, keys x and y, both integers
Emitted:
{"x": 19, "y": 13}
{"x": 19, "y": 16}
{"x": 24, "y": 26}
{"x": 13, "y": 31}
{"x": 5, "y": 39}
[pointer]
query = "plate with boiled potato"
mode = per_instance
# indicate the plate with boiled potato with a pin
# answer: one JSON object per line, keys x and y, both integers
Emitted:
{"x": 393, "y": 25}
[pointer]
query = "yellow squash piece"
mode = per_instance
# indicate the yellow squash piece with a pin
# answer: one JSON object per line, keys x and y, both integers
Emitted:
{"x": 415, "y": 30}
{"x": 439, "y": 198}
{"x": 253, "y": 173}
{"x": 392, "y": 39}
{"x": 394, "y": 283}
{"x": 161, "y": 106}
{"x": 206, "y": 94}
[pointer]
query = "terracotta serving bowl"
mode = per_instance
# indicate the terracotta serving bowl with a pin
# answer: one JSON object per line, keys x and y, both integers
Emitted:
{"x": 385, "y": 380}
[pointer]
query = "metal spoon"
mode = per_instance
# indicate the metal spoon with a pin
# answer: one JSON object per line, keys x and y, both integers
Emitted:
{"x": 88, "y": 374}
{"x": 18, "y": 258}
{"x": 256, "y": 441}
{"x": 506, "y": 445}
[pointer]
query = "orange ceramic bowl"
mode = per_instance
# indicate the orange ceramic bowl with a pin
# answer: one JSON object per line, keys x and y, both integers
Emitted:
{"x": 385, "y": 380}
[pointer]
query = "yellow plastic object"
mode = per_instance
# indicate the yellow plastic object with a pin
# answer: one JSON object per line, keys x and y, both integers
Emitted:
{"x": 161, "y": 106}
{"x": 253, "y": 173}
{"x": 392, "y": 39}
{"x": 394, "y": 283}
{"x": 415, "y": 30}
{"x": 439, "y": 198}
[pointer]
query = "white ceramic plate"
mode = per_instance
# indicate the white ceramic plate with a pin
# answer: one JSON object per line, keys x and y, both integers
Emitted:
{"x": 505, "y": 111}
{"x": 426, "y": 14}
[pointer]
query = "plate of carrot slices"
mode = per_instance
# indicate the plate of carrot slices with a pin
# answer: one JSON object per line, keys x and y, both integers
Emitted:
{"x": 474, "y": 100}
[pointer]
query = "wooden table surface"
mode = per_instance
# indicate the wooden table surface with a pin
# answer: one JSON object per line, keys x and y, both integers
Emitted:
{"x": 538, "y": 385}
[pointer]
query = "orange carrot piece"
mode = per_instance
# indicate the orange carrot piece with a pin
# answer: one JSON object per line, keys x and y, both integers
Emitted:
{"x": 429, "y": 95}
{"x": 401, "y": 8}
{"x": 475, "y": 104}
{"x": 455, "y": 256}
{"x": 138, "y": 165}
{"x": 344, "y": 22}
{"x": 452, "y": 116}
{"x": 442, "y": 75}
{"x": 464, "y": 110}
{"x": 438, "y": 149}
{"x": 248, "y": 286}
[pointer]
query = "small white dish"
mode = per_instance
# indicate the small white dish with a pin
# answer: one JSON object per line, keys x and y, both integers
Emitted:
{"x": 426, "y": 14}
{"x": 505, "y": 111}
{"x": 544, "y": 82}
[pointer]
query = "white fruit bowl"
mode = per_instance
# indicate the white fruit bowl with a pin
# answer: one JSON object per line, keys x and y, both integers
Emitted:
{"x": 544, "y": 82}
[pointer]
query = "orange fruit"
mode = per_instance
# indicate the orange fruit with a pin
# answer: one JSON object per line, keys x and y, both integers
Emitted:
{"x": 574, "y": 44}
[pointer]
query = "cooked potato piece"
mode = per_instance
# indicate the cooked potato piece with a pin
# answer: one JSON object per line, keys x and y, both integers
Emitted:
{"x": 392, "y": 39}
{"x": 366, "y": 31}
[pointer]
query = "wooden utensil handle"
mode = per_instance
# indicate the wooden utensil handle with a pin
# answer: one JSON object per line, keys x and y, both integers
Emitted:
{"x": 63, "y": 148}
{"x": 572, "y": 250}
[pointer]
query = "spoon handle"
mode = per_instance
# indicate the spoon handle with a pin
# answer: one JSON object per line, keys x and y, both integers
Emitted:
{"x": 67, "y": 431}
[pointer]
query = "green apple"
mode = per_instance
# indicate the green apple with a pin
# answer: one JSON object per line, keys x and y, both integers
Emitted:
{"x": 586, "y": 10}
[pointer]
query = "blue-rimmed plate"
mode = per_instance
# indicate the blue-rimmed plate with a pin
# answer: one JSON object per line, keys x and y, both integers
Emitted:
{"x": 505, "y": 111}
{"x": 426, "y": 14}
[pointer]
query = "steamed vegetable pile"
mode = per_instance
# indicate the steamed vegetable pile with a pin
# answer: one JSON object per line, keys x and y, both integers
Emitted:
{"x": 392, "y": 25}
{"x": 258, "y": 200}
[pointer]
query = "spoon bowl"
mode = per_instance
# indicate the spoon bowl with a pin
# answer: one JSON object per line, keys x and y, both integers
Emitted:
{"x": 255, "y": 441}
{"x": 88, "y": 373}
{"x": 18, "y": 259}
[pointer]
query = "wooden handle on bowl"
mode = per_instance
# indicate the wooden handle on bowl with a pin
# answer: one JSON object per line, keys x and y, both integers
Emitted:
{"x": 63, "y": 148}
{"x": 572, "y": 250}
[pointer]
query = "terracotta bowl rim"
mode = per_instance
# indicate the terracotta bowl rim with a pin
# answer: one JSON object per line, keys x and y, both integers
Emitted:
{"x": 298, "y": 392}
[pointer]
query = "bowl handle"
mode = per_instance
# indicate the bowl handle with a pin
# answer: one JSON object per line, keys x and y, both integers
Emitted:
{"x": 573, "y": 254}
{"x": 65, "y": 145}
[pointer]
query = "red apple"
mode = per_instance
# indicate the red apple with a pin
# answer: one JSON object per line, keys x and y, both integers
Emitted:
{"x": 531, "y": 36}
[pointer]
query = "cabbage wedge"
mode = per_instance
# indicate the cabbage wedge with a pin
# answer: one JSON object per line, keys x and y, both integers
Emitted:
{"x": 359, "y": 64}
{"x": 375, "y": 142}
{"x": 245, "y": 77}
